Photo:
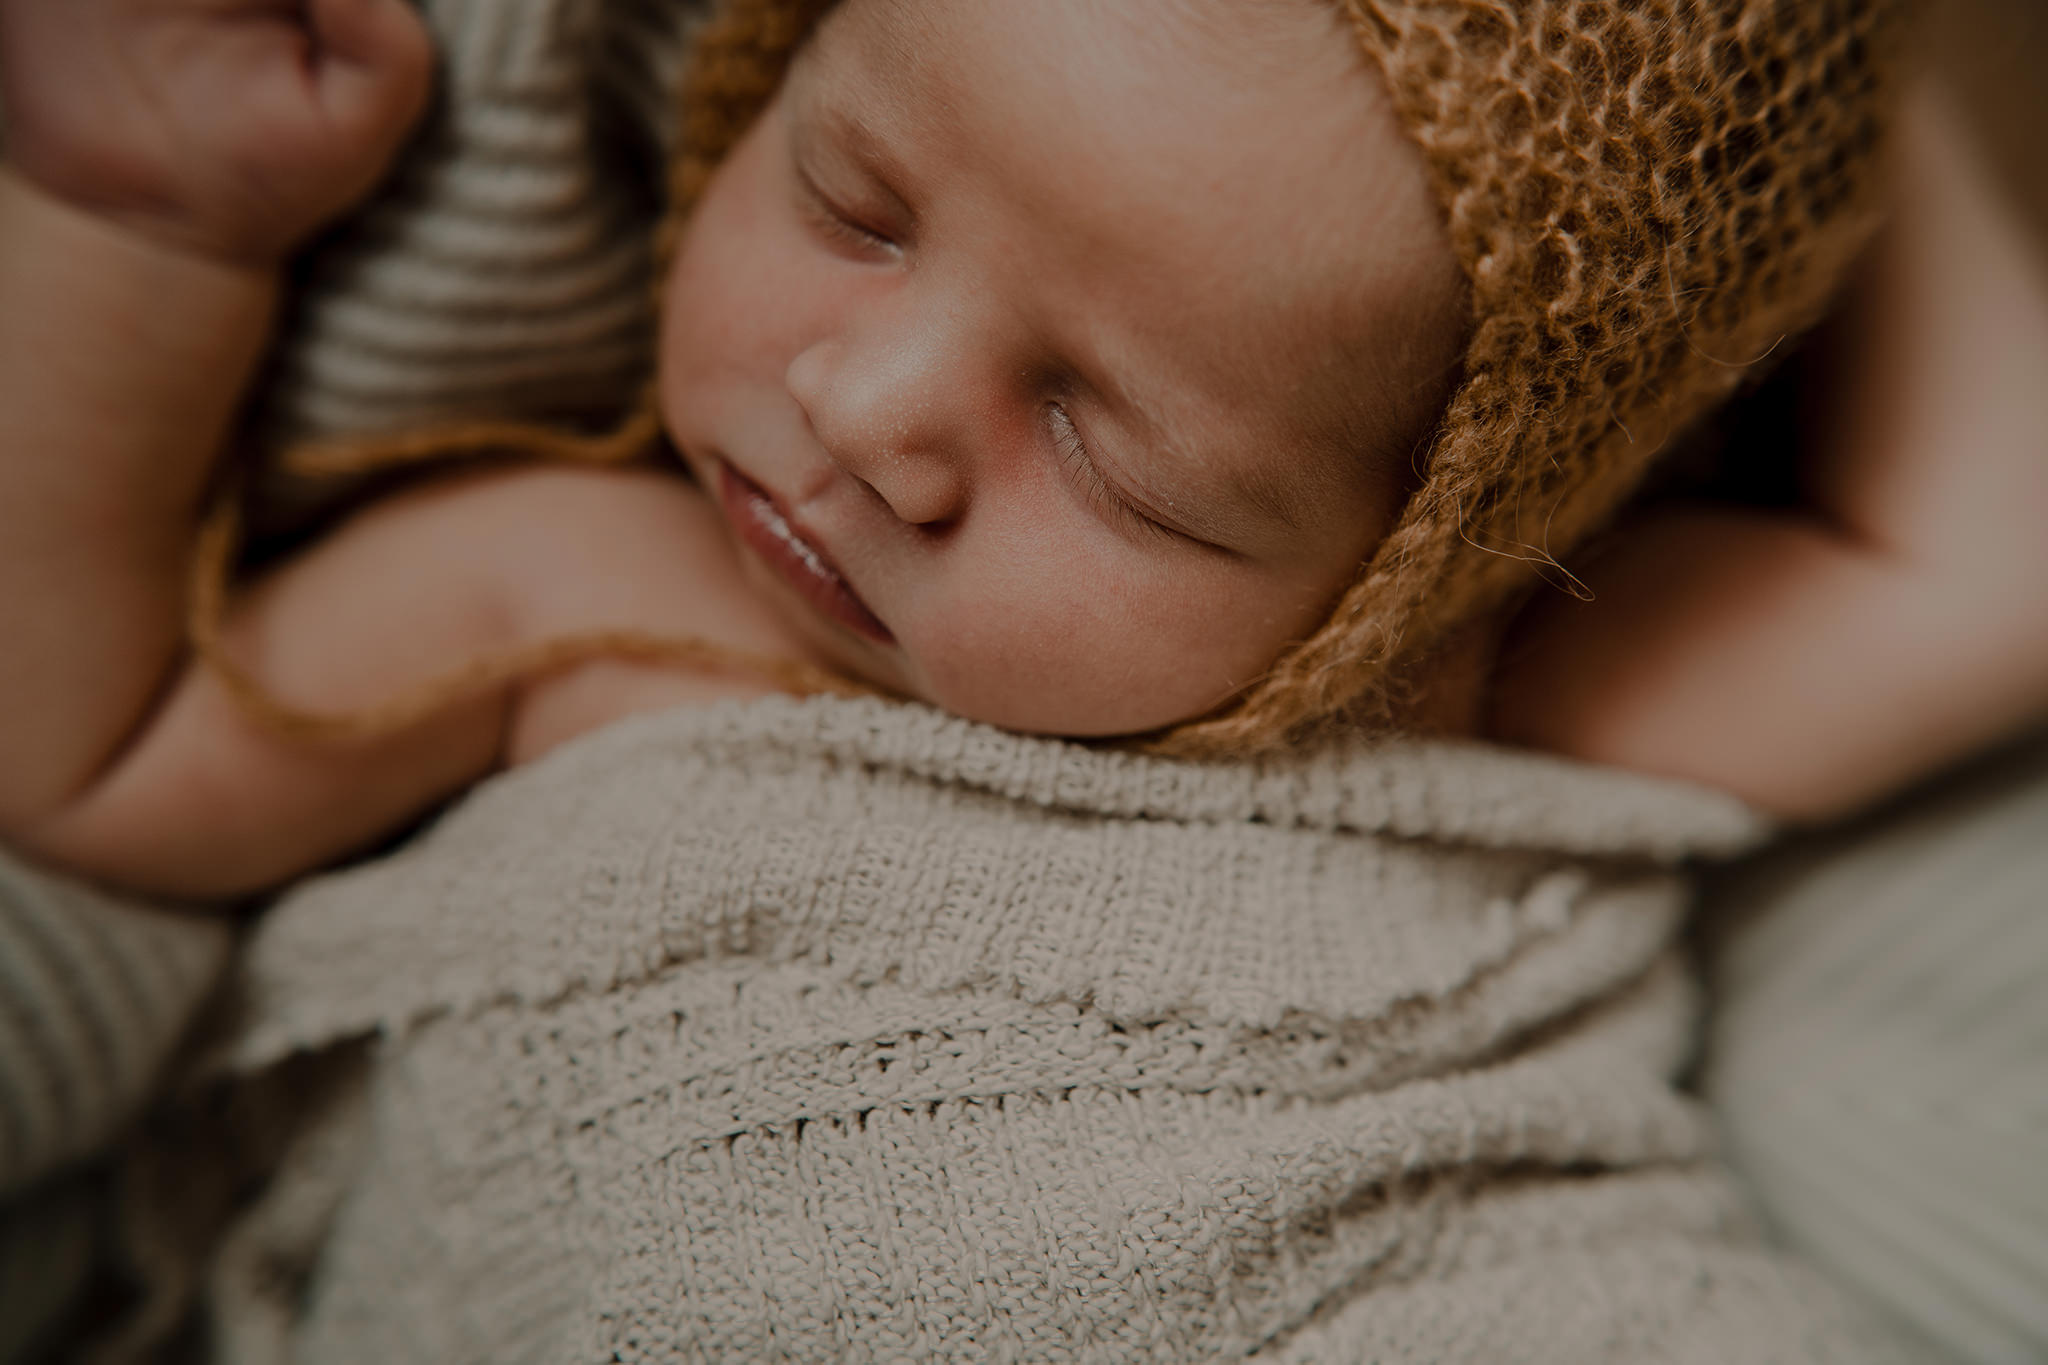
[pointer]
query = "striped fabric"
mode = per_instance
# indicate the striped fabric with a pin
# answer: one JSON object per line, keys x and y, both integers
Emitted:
{"x": 94, "y": 994}
{"x": 1880, "y": 1056}
{"x": 94, "y": 997}
{"x": 504, "y": 269}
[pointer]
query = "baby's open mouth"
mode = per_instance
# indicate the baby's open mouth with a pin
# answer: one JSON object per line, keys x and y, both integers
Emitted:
{"x": 769, "y": 533}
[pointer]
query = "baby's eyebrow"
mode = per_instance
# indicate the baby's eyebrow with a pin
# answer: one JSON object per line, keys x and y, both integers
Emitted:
{"x": 831, "y": 92}
{"x": 857, "y": 140}
{"x": 1258, "y": 485}
{"x": 838, "y": 121}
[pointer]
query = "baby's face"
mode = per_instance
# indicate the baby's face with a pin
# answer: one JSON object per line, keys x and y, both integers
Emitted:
{"x": 1060, "y": 363}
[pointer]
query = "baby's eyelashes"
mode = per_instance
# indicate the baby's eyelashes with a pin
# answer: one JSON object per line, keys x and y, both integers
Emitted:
{"x": 1115, "y": 506}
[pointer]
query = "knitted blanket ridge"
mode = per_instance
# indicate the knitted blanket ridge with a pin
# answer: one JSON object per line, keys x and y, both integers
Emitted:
{"x": 831, "y": 1030}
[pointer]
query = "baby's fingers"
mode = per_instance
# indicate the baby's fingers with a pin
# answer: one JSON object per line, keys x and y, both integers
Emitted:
{"x": 372, "y": 66}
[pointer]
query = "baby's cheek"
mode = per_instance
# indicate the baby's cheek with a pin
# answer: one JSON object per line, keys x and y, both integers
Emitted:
{"x": 1090, "y": 650}
{"x": 1023, "y": 666}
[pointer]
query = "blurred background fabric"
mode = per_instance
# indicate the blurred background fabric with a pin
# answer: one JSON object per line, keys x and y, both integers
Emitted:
{"x": 1878, "y": 1053}
{"x": 96, "y": 994}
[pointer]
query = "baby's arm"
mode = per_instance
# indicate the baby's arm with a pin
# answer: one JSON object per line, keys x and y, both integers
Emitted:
{"x": 133, "y": 302}
{"x": 161, "y": 160}
{"x": 204, "y": 801}
{"x": 121, "y": 363}
{"x": 1814, "y": 661}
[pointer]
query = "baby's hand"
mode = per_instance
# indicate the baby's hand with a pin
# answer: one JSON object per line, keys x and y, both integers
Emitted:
{"x": 234, "y": 128}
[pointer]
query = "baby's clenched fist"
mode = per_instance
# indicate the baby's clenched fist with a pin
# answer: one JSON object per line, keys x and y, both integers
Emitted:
{"x": 234, "y": 128}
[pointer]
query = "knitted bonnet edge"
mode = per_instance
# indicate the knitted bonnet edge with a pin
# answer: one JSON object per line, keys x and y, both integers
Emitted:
{"x": 1645, "y": 196}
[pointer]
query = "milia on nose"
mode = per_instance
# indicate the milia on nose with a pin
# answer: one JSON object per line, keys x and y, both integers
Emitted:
{"x": 877, "y": 418}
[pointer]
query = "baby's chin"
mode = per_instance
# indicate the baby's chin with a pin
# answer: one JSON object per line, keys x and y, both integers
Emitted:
{"x": 1068, "y": 708}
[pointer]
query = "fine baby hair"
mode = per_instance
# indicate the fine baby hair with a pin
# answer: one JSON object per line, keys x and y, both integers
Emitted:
{"x": 1645, "y": 199}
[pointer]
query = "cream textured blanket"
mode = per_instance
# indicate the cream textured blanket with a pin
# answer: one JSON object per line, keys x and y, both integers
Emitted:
{"x": 850, "y": 1031}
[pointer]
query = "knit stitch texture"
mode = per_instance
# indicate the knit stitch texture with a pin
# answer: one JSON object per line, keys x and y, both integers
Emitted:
{"x": 850, "y": 1031}
{"x": 1647, "y": 199}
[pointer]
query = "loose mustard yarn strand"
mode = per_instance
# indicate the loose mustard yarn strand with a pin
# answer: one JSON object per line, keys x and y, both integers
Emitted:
{"x": 638, "y": 434}
{"x": 212, "y": 567}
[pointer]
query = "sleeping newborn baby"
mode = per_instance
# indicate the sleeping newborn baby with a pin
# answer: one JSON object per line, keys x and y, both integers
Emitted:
{"x": 1199, "y": 374}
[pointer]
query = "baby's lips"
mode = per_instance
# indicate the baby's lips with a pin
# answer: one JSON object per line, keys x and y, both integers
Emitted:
{"x": 796, "y": 557}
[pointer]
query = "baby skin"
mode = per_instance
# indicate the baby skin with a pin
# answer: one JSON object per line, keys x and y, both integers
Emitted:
{"x": 982, "y": 406}
{"x": 1056, "y": 364}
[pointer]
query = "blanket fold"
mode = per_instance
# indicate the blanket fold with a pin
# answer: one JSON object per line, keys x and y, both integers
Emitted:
{"x": 836, "y": 1030}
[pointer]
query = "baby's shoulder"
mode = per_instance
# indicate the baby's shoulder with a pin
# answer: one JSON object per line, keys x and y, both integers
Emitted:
{"x": 573, "y": 552}
{"x": 575, "y": 548}
{"x": 541, "y": 536}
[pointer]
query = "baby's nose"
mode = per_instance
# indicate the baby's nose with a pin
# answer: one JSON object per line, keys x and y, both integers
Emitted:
{"x": 884, "y": 414}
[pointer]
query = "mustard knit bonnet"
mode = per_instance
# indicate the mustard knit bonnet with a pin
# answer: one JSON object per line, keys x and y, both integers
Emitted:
{"x": 1646, "y": 197}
